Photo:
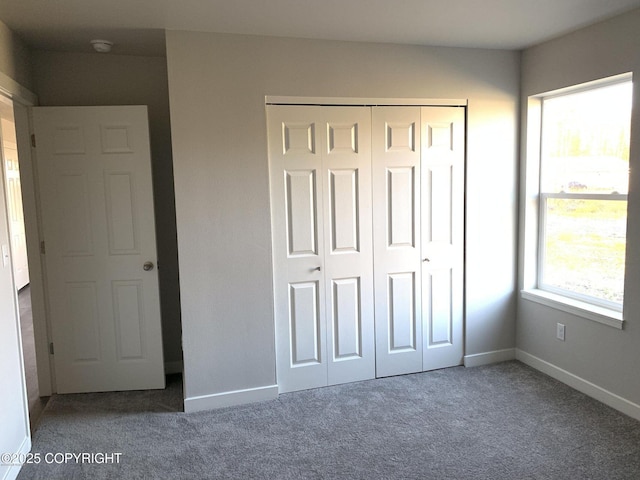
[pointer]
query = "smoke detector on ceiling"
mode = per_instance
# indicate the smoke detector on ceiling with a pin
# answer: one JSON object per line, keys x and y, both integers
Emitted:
{"x": 102, "y": 46}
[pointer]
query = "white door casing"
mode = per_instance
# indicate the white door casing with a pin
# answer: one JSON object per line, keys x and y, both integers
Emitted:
{"x": 321, "y": 223}
{"x": 396, "y": 239}
{"x": 443, "y": 155}
{"x": 14, "y": 195}
{"x": 14, "y": 405}
{"x": 94, "y": 173}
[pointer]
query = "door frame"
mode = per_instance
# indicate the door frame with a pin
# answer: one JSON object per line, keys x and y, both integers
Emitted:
{"x": 24, "y": 99}
{"x": 365, "y": 101}
{"x": 27, "y": 160}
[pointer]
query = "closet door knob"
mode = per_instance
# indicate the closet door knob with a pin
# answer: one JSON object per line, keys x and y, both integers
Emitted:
{"x": 426, "y": 260}
{"x": 317, "y": 269}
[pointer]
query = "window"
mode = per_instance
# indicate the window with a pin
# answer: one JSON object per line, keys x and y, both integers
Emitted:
{"x": 584, "y": 171}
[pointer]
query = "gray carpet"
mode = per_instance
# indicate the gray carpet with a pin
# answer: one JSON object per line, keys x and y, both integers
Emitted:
{"x": 504, "y": 421}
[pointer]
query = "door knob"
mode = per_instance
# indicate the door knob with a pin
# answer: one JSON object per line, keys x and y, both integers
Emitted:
{"x": 426, "y": 260}
{"x": 317, "y": 269}
{"x": 147, "y": 266}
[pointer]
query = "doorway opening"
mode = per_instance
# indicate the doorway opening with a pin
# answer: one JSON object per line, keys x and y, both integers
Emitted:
{"x": 18, "y": 245}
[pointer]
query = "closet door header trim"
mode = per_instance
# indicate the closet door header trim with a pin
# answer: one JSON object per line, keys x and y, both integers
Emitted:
{"x": 365, "y": 102}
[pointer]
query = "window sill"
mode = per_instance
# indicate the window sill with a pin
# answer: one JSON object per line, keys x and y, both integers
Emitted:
{"x": 595, "y": 313}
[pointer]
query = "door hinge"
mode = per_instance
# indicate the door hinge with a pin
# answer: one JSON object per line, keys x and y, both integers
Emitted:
{"x": 33, "y": 140}
{"x": 42, "y": 248}
{"x": 51, "y": 348}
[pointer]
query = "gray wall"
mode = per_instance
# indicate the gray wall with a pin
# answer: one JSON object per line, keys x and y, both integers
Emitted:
{"x": 15, "y": 57}
{"x": 217, "y": 84}
{"x": 605, "y": 356}
{"x": 85, "y": 79}
{"x": 13, "y": 402}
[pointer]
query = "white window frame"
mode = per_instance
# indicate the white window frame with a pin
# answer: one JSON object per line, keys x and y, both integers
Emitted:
{"x": 532, "y": 288}
{"x": 542, "y": 250}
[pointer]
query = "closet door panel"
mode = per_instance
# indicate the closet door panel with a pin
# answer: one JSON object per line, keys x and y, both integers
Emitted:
{"x": 396, "y": 233}
{"x": 344, "y": 213}
{"x": 298, "y": 244}
{"x": 305, "y": 323}
{"x": 301, "y": 212}
{"x": 402, "y": 314}
{"x": 442, "y": 235}
{"x": 401, "y": 195}
{"x": 348, "y": 255}
{"x": 347, "y": 318}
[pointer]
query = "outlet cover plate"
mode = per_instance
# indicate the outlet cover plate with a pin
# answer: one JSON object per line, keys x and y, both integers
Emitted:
{"x": 560, "y": 332}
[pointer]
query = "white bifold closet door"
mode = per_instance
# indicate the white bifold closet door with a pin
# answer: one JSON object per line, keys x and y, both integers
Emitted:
{"x": 418, "y": 204}
{"x": 367, "y": 216}
{"x": 320, "y": 175}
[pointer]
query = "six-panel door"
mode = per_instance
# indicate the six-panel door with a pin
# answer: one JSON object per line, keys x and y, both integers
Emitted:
{"x": 396, "y": 238}
{"x": 442, "y": 236}
{"x": 94, "y": 171}
{"x": 348, "y": 251}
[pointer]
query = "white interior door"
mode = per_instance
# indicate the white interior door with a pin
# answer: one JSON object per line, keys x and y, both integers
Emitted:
{"x": 442, "y": 236}
{"x": 321, "y": 222}
{"x": 14, "y": 194}
{"x": 396, "y": 231}
{"x": 94, "y": 173}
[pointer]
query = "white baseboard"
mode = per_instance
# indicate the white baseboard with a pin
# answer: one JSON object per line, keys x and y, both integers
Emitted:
{"x": 591, "y": 389}
{"x": 229, "y": 399}
{"x": 489, "y": 357}
{"x": 12, "y": 472}
{"x": 172, "y": 367}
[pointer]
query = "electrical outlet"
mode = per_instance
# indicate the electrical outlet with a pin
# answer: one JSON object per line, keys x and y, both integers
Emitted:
{"x": 560, "y": 332}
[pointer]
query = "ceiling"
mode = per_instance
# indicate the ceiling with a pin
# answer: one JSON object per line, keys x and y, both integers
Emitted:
{"x": 137, "y": 26}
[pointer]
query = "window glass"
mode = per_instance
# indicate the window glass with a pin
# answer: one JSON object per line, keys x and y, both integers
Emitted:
{"x": 584, "y": 247}
{"x": 585, "y": 144}
{"x": 584, "y": 182}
